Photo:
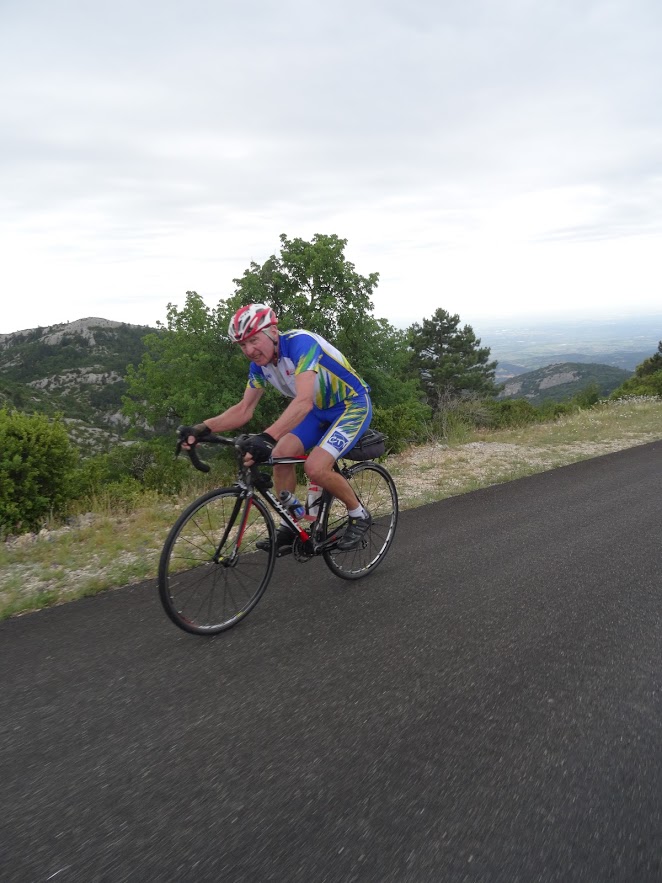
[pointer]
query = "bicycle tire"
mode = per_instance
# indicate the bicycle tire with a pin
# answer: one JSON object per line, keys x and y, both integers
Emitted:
{"x": 376, "y": 490}
{"x": 202, "y": 590}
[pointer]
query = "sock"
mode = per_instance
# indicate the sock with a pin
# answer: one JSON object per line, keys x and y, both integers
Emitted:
{"x": 357, "y": 513}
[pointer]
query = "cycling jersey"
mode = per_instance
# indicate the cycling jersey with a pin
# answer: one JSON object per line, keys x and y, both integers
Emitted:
{"x": 341, "y": 402}
{"x": 299, "y": 351}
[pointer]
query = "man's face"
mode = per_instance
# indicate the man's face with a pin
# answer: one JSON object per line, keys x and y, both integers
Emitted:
{"x": 259, "y": 348}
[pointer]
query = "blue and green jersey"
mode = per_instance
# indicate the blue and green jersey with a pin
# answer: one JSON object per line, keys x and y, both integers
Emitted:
{"x": 301, "y": 351}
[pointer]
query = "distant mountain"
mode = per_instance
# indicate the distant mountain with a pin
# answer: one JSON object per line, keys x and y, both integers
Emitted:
{"x": 564, "y": 380}
{"x": 506, "y": 370}
{"x": 77, "y": 369}
{"x": 626, "y": 361}
{"x": 520, "y": 346}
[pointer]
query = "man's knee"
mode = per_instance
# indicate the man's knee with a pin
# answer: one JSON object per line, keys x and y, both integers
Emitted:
{"x": 318, "y": 465}
{"x": 288, "y": 446}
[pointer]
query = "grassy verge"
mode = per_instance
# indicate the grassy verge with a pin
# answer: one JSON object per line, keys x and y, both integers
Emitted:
{"x": 484, "y": 458}
{"x": 102, "y": 550}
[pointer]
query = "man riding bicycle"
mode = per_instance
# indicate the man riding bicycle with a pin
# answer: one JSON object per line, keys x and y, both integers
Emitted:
{"x": 329, "y": 411}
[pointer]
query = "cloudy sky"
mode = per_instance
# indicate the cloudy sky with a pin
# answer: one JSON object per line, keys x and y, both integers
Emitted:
{"x": 491, "y": 158}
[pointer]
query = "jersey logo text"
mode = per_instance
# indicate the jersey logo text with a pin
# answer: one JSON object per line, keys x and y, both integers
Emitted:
{"x": 338, "y": 440}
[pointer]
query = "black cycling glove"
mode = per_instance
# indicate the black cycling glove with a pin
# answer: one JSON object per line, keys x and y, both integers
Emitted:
{"x": 258, "y": 446}
{"x": 199, "y": 432}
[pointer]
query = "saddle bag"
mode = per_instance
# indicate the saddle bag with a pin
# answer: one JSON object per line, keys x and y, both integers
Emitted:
{"x": 371, "y": 445}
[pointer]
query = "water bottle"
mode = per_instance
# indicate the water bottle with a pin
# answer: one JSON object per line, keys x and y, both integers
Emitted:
{"x": 290, "y": 502}
{"x": 313, "y": 501}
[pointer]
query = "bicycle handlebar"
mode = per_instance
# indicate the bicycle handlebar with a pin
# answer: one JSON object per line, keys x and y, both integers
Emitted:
{"x": 212, "y": 439}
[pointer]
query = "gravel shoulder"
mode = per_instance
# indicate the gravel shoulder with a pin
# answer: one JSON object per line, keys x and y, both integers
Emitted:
{"x": 435, "y": 471}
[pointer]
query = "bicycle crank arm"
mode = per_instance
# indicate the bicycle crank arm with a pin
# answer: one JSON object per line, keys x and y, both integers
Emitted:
{"x": 327, "y": 544}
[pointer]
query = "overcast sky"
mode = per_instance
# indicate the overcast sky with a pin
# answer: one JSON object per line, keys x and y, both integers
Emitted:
{"x": 491, "y": 157}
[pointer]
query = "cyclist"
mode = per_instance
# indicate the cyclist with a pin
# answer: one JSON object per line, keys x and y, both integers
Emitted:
{"x": 330, "y": 409}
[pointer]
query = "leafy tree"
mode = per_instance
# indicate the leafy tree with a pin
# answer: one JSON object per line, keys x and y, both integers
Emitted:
{"x": 190, "y": 370}
{"x": 312, "y": 285}
{"x": 647, "y": 379}
{"x": 37, "y": 464}
{"x": 449, "y": 360}
{"x": 383, "y": 362}
{"x": 652, "y": 365}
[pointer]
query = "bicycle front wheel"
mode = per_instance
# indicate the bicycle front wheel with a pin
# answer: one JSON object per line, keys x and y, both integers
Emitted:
{"x": 375, "y": 489}
{"x": 212, "y": 572}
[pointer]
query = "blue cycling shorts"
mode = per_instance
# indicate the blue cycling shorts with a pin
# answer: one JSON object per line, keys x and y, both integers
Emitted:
{"x": 335, "y": 429}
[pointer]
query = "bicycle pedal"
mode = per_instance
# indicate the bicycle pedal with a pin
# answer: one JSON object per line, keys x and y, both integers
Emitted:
{"x": 284, "y": 550}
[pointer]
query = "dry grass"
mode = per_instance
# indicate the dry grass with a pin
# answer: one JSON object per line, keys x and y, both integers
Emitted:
{"x": 433, "y": 472}
{"x": 102, "y": 551}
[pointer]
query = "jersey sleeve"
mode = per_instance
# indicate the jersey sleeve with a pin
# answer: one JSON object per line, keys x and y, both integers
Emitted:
{"x": 256, "y": 378}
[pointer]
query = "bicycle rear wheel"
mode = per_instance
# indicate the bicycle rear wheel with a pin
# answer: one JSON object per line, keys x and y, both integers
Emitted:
{"x": 375, "y": 489}
{"x": 211, "y": 574}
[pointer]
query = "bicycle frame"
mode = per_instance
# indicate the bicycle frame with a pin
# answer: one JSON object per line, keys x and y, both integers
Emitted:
{"x": 251, "y": 481}
{"x": 209, "y": 575}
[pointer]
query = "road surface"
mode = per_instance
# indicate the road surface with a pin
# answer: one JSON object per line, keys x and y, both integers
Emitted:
{"x": 486, "y": 707}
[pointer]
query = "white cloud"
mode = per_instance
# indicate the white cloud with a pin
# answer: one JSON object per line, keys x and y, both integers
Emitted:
{"x": 481, "y": 157}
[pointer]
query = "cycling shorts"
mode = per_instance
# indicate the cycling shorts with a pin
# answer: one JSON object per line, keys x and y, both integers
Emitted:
{"x": 335, "y": 429}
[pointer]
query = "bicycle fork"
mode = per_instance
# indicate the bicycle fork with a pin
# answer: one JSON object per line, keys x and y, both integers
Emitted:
{"x": 230, "y": 560}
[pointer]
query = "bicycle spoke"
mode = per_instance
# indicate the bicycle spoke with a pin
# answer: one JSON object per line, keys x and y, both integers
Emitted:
{"x": 376, "y": 491}
{"x": 211, "y": 573}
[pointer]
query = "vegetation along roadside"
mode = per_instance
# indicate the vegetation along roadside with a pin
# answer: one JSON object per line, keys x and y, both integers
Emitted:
{"x": 118, "y": 544}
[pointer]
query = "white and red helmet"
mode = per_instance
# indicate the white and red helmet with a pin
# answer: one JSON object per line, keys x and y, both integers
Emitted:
{"x": 250, "y": 319}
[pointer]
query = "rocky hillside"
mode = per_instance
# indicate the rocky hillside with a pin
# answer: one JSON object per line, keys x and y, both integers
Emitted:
{"x": 564, "y": 380}
{"x": 76, "y": 369}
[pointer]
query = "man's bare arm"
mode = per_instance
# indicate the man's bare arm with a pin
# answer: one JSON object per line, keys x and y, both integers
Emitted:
{"x": 237, "y": 415}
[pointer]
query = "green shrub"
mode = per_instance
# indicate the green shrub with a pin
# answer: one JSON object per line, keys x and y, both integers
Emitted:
{"x": 123, "y": 496}
{"x": 37, "y": 463}
{"x": 551, "y": 410}
{"x": 647, "y": 380}
{"x": 453, "y": 425}
{"x": 649, "y": 385}
{"x": 404, "y": 424}
{"x": 510, "y": 413}
{"x": 152, "y": 465}
{"x": 587, "y": 397}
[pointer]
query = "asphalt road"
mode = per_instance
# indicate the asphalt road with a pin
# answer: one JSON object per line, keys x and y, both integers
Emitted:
{"x": 486, "y": 707}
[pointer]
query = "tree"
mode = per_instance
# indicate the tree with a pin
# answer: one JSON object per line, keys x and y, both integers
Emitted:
{"x": 449, "y": 360}
{"x": 650, "y": 366}
{"x": 647, "y": 379}
{"x": 312, "y": 285}
{"x": 190, "y": 370}
{"x": 383, "y": 362}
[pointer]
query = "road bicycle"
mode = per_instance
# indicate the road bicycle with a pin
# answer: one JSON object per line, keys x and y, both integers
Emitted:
{"x": 212, "y": 572}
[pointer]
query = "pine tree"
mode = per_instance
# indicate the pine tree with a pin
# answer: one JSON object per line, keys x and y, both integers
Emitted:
{"x": 449, "y": 360}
